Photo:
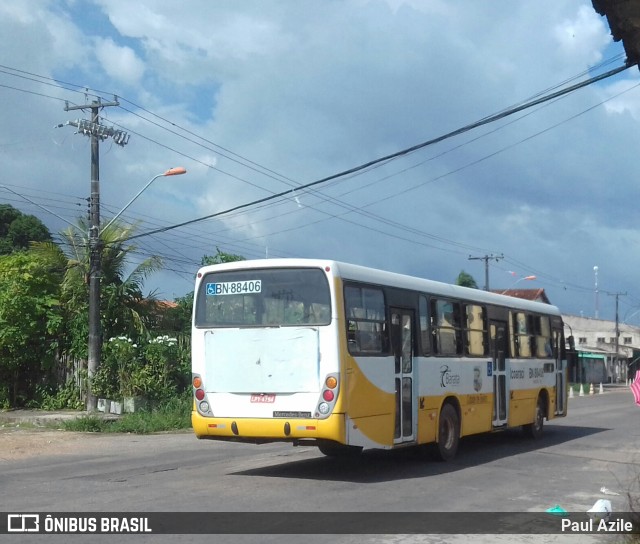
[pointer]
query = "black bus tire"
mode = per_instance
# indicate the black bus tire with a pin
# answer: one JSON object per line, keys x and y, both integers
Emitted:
{"x": 534, "y": 430}
{"x": 448, "y": 433}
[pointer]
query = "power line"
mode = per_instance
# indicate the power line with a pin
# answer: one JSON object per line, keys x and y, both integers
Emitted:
{"x": 329, "y": 199}
{"x": 360, "y": 210}
{"x": 416, "y": 231}
{"x": 401, "y": 153}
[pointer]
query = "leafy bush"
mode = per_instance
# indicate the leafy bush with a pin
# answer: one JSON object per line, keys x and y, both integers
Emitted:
{"x": 65, "y": 398}
{"x": 161, "y": 356}
{"x": 157, "y": 370}
{"x": 30, "y": 321}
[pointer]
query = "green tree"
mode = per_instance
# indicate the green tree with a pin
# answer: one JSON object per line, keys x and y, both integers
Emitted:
{"x": 30, "y": 321}
{"x": 466, "y": 280}
{"x": 221, "y": 257}
{"x": 18, "y": 229}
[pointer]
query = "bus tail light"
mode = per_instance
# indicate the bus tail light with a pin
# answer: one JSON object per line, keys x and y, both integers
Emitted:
{"x": 328, "y": 396}
{"x": 331, "y": 382}
{"x": 200, "y": 395}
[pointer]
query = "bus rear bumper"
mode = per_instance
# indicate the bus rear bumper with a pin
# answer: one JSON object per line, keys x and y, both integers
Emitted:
{"x": 267, "y": 430}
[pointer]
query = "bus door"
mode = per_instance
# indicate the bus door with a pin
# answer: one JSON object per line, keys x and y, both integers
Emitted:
{"x": 561, "y": 374}
{"x": 402, "y": 348}
{"x": 498, "y": 333}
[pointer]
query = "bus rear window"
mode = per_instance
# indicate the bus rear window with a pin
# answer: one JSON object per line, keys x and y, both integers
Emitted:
{"x": 261, "y": 297}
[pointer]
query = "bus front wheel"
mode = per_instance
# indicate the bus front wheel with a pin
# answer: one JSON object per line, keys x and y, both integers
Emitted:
{"x": 448, "y": 433}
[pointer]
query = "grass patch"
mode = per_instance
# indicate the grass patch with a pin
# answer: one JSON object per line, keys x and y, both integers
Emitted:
{"x": 86, "y": 424}
{"x": 172, "y": 415}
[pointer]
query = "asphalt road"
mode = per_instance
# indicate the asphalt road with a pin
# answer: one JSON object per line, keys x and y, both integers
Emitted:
{"x": 596, "y": 446}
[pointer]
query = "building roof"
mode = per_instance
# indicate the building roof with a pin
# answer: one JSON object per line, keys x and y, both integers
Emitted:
{"x": 165, "y": 304}
{"x": 536, "y": 295}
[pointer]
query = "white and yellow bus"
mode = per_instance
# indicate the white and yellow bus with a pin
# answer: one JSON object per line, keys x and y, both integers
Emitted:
{"x": 348, "y": 358}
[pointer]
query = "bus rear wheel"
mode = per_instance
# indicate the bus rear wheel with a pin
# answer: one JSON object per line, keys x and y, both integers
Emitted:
{"x": 534, "y": 430}
{"x": 334, "y": 449}
{"x": 448, "y": 433}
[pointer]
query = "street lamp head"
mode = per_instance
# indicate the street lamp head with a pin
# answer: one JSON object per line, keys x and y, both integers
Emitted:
{"x": 178, "y": 170}
{"x": 518, "y": 281}
{"x": 171, "y": 172}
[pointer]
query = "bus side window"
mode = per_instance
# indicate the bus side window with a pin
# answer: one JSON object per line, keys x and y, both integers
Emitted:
{"x": 425, "y": 337}
{"x": 446, "y": 328}
{"x": 543, "y": 343}
{"x": 366, "y": 320}
{"x": 513, "y": 352}
{"x": 475, "y": 330}
{"x": 522, "y": 336}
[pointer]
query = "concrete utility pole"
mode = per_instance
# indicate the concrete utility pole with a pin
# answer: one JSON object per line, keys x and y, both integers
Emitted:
{"x": 486, "y": 259}
{"x": 96, "y": 133}
{"x": 615, "y": 360}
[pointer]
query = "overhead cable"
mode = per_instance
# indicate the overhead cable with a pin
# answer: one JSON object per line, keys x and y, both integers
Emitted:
{"x": 397, "y": 154}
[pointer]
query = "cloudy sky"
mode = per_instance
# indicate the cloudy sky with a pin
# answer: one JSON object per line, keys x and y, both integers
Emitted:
{"x": 256, "y": 98}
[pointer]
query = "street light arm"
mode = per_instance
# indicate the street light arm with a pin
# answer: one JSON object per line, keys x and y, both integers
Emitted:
{"x": 518, "y": 281}
{"x": 171, "y": 172}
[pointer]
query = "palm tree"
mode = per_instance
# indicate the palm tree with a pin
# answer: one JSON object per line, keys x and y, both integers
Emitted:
{"x": 122, "y": 298}
{"x": 124, "y": 309}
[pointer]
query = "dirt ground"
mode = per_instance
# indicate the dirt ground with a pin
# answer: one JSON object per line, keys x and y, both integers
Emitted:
{"x": 17, "y": 443}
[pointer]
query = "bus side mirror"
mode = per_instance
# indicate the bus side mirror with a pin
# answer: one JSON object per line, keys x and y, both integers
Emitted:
{"x": 572, "y": 343}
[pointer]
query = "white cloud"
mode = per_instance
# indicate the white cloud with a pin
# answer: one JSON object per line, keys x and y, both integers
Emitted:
{"x": 582, "y": 38}
{"x": 193, "y": 41}
{"x": 120, "y": 63}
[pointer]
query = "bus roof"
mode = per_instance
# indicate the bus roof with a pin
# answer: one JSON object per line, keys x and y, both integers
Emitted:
{"x": 392, "y": 279}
